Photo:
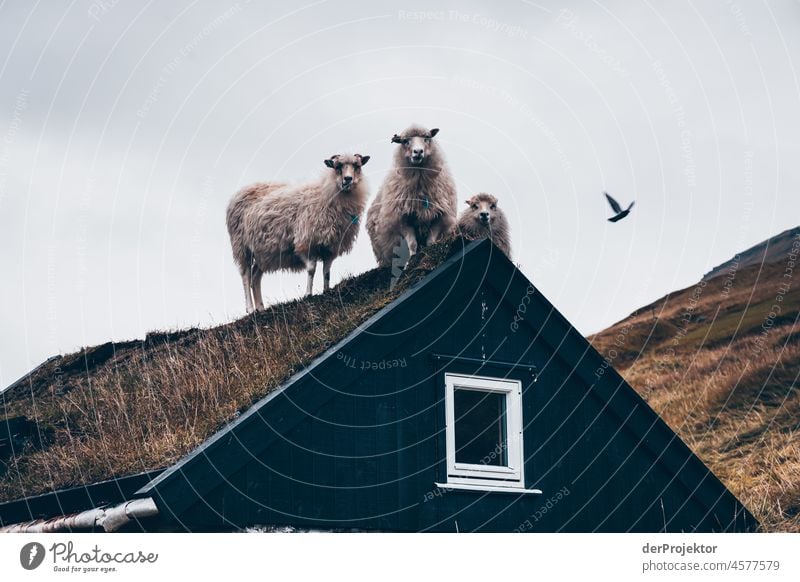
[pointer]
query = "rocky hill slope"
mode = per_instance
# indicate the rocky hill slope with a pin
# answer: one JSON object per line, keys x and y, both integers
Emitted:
{"x": 720, "y": 361}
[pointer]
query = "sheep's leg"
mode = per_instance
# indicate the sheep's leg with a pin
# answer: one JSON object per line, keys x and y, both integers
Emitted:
{"x": 411, "y": 238}
{"x": 255, "y": 284}
{"x": 434, "y": 233}
{"x": 311, "y": 269}
{"x": 326, "y": 273}
{"x": 248, "y": 296}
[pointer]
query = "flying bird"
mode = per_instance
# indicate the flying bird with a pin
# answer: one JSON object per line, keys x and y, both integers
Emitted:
{"x": 619, "y": 213}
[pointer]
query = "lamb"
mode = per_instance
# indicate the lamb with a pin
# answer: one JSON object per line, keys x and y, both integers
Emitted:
{"x": 417, "y": 200}
{"x": 483, "y": 219}
{"x": 277, "y": 226}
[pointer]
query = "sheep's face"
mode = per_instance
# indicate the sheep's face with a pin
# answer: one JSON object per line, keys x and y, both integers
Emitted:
{"x": 347, "y": 169}
{"x": 483, "y": 208}
{"x": 417, "y": 145}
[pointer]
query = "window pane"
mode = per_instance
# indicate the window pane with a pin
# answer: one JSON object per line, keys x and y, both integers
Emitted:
{"x": 480, "y": 427}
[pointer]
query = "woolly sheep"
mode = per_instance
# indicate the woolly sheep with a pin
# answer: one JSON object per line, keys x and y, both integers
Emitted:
{"x": 417, "y": 200}
{"x": 483, "y": 219}
{"x": 277, "y": 226}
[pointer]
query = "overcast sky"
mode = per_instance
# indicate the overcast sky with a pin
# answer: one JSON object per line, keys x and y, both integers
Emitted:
{"x": 126, "y": 126}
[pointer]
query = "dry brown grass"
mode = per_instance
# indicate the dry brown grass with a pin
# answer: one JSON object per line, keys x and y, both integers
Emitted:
{"x": 726, "y": 381}
{"x": 119, "y": 410}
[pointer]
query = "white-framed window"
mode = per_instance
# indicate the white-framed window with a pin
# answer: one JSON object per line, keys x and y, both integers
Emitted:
{"x": 484, "y": 431}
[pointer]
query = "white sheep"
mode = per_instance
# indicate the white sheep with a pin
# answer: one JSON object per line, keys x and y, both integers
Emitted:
{"x": 417, "y": 201}
{"x": 484, "y": 219}
{"x": 277, "y": 226}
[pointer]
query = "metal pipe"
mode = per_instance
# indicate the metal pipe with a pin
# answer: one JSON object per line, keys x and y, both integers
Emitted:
{"x": 109, "y": 518}
{"x": 117, "y": 516}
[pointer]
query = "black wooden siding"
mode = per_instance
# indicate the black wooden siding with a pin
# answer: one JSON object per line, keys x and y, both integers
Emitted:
{"x": 361, "y": 449}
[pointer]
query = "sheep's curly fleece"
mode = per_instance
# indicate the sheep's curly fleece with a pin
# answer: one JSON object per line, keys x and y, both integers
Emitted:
{"x": 471, "y": 228}
{"x": 419, "y": 196}
{"x": 276, "y": 226}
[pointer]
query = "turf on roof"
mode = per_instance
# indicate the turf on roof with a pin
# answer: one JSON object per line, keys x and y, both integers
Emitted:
{"x": 124, "y": 408}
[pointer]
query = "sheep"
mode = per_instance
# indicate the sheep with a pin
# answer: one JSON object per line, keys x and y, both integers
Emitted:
{"x": 277, "y": 226}
{"x": 483, "y": 219}
{"x": 417, "y": 201}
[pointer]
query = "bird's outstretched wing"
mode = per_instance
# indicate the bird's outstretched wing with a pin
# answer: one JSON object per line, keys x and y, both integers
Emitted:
{"x": 631, "y": 206}
{"x": 614, "y": 204}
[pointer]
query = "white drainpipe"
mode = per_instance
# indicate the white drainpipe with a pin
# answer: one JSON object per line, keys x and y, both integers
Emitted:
{"x": 109, "y": 518}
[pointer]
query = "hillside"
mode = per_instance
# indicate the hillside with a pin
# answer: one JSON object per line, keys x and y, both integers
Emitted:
{"x": 773, "y": 250}
{"x": 128, "y": 407}
{"x": 720, "y": 362}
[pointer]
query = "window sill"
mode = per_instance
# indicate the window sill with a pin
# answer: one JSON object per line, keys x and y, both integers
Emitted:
{"x": 488, "y": 488}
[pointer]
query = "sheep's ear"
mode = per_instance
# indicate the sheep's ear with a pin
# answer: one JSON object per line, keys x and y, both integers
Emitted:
{"x": 468, "y": 201}
{"x": 397, "y": 139}
{"x": 364, "y": 159}
{"x": 329, "y": 162}
{"x": 434, "y": 131}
